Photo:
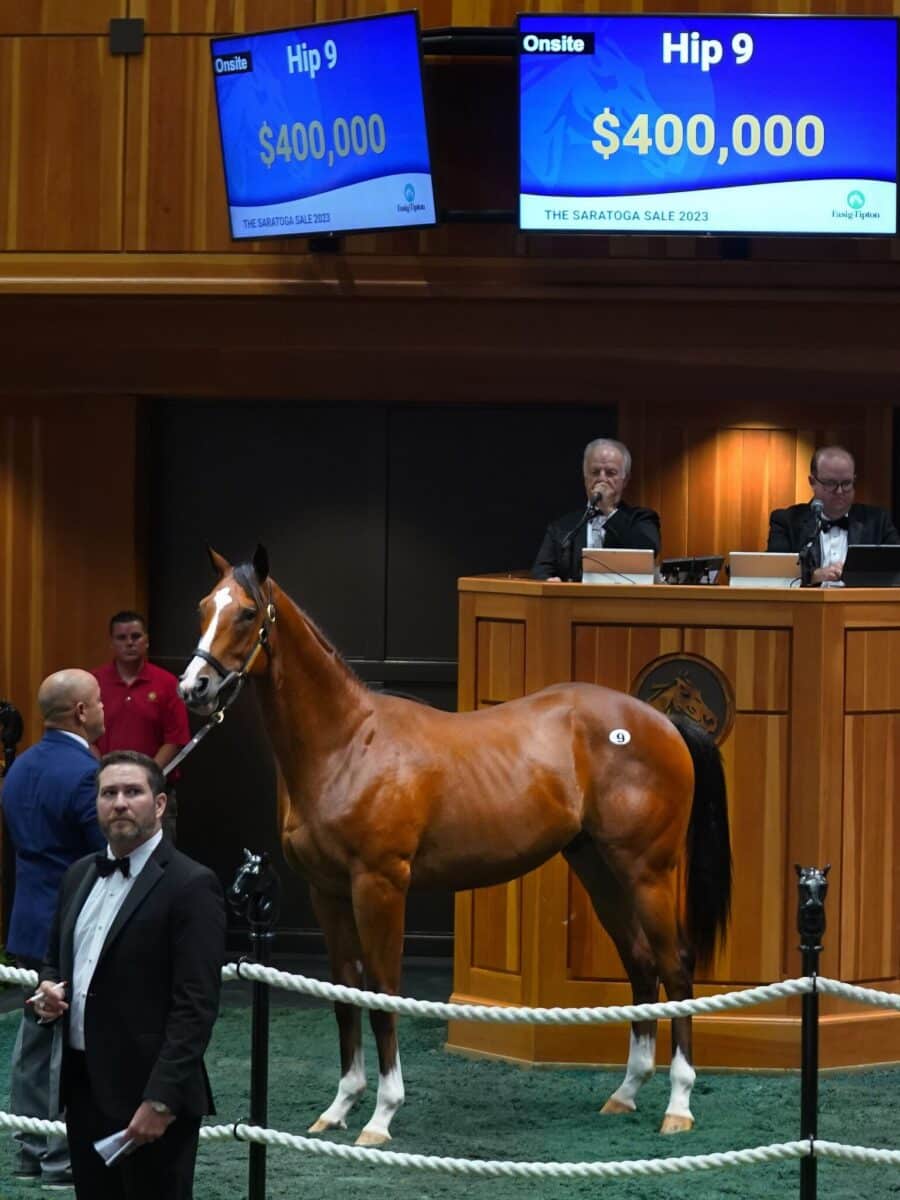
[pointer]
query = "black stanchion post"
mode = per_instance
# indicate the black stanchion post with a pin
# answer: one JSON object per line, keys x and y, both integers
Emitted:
{"x": 812, "y": 887}
{"x": 255, "y": 894}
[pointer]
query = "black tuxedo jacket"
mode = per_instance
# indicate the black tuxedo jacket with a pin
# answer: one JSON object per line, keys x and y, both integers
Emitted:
{"x": 791, "y": 528}
{"x": 154, "y": 995}
{"x": 627, "y": 529}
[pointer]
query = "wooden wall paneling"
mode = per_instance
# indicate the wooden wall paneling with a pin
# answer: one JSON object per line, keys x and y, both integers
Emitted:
{"x": 225, "y": 16}
{"x": 614, "y": 656}
{"x": 61, "y": 144}
{"x": 67, "y": 538}
{"x": 221, "y": 16}
{"x": 174, "y": 180}
{"x": 715, "y": 476}
{"x": 501, "y": 661}
{"x": 755, "y": 661}
{"x": 815, "y": 815}
{"x": 21, "y": 529}
{"x": 497, "y": 927}
{"x": 496, "y": 911}
{"x": 591, "y": 954}
{"x": 872, "y": 681}
{"x": 868, "y": 877}
{"x": 57, "y": 17}
{"x": 756, "y": 757}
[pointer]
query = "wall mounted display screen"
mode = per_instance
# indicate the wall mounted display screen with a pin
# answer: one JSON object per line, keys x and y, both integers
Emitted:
{"x": 323, "y": 128}
{"x": 708, "y": 124}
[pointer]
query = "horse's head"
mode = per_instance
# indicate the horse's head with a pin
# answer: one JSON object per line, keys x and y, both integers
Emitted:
{"x": 255, "y": 891}
{"x": 234, "y": 624}
{"x": 246, "y": 879}
{"x": 683, "y": 696}
{"x": 812, "y": 888}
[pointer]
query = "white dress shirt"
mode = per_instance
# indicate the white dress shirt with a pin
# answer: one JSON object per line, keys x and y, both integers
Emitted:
{"x": 104, "y": 900}
{"x": 76, "y": 737}
{"x": 597, "y": 530}
{"x": 833, "y": 545}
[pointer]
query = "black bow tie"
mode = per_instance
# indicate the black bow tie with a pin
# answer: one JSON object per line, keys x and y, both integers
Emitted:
{"x": 837, "y": 523}
{"x": 106, "y": 866}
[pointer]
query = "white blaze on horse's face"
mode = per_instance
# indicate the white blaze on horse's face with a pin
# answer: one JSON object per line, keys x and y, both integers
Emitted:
{"x": 198, "y": 685}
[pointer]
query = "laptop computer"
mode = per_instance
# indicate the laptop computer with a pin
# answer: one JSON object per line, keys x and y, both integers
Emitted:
{"x": 617, "y": 566}
{"x": 872, "y": 566}
{"x": 750, "y": 568}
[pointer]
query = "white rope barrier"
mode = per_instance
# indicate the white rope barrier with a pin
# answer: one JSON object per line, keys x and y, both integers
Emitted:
{"x": 857, "y": 1154}
{"x": 861, "y": 995}
{"x": 494, "y": 1168}
{"x": 497, "y": 1168}
{"x": 18, "y": 975}
{"x": 486, "y": 1168}
{"x": 512, "y": 1015}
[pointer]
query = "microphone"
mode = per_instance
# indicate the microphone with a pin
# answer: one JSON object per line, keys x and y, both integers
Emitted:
{"x": 806, "y": 553}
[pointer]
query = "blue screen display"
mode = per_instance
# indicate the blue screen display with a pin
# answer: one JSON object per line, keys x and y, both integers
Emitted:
{"x": 323, "y": 128}
{"x": 708, "y": 124}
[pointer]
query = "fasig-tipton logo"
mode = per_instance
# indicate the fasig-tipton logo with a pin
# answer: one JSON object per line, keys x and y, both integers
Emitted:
{"x": 857, "y": 208}
{"x": 409, "y": 195}
{"x": 238, "y": 63}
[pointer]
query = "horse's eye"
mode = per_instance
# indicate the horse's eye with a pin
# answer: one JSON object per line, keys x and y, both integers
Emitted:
{"x": 247, "y": 614}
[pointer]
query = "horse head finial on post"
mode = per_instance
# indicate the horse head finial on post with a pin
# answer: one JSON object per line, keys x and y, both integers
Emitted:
{"x": 256, "y": 891}
{"x": 812, "y": 887}
{"x": 255, "y": 894}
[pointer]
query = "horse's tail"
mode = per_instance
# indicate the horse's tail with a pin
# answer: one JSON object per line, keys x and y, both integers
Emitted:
{"x": 708, "y": 906}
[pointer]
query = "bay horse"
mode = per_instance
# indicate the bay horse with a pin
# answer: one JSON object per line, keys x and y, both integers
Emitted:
{"x": 378, "y": 795}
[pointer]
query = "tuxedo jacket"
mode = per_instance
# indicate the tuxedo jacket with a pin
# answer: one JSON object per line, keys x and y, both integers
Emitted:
{"x": 627, "y": 529}
{"x": 50, "y": 807}
{"x": 154, "y": 995}
{"x": 791, "y": 528}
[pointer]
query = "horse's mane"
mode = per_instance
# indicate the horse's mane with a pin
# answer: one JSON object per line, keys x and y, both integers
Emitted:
{"x": 245, "y": 575}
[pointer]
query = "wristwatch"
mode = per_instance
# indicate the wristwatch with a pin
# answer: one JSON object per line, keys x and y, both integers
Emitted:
{"x": 159, "y": 1107}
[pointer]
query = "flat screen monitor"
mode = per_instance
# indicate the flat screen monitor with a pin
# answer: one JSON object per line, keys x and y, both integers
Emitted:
{"x": 705, "y": 124}
{"x": 323, "y": 128}
{"x": 872, "y": 566}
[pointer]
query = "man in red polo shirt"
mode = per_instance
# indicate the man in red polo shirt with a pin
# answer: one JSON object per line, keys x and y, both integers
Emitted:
{"x": 143, "y": 709}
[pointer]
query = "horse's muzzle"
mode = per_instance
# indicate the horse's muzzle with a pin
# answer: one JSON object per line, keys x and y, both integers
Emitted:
{"x": 200, "y": 694}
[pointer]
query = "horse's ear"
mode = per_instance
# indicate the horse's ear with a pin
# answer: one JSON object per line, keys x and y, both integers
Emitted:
{"x": 220, "y": 565}
{"x": 261, "y": 563}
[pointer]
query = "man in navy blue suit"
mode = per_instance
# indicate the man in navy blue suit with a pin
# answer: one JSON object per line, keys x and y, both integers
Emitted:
{"x": 49, "y": 803}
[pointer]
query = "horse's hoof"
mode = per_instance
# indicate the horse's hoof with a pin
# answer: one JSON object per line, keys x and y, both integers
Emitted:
{"x": 616, "y": 1106}
{"x": 322, "y": 1126}
{"x": 371, "y": 1137}
{"x": 673, "y": 1123}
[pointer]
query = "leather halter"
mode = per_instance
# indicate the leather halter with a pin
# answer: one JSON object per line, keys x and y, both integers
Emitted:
{"x": 232, "y": 682}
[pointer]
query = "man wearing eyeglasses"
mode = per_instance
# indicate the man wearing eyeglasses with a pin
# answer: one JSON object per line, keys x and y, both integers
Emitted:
{"x": 832, "y": 477}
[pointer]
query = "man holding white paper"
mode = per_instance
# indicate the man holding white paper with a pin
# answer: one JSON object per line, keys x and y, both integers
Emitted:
{"x": 134, "y": 968}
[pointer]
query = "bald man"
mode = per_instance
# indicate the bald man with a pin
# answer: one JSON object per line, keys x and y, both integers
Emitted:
{"x": 49, "y": 803}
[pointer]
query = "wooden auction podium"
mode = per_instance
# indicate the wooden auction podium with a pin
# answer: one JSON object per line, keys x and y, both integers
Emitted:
{"x": 813, "y": 766}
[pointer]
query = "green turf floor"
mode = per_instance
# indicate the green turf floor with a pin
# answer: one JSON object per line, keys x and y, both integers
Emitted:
{"x": 479, "y": 1109}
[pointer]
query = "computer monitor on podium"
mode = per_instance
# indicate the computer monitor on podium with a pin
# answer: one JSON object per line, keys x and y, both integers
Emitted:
{"x": 872, "y": 566}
